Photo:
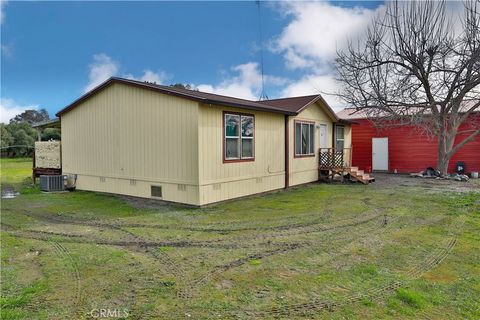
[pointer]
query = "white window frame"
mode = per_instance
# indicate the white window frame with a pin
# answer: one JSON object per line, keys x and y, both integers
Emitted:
{"x": 336, "y": 136}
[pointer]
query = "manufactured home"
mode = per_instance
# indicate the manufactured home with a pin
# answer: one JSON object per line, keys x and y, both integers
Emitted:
{"x": 146, "y": 140}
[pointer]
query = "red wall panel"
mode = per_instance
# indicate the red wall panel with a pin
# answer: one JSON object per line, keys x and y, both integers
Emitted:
{"x": 409, "y": 150}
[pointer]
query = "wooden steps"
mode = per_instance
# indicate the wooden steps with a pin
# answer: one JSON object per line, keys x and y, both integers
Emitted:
{"x": 359, "y": 175}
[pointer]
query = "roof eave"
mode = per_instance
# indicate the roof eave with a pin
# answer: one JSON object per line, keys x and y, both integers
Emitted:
{"x": 333, "y": 115}
{"x": 173, "y": 93}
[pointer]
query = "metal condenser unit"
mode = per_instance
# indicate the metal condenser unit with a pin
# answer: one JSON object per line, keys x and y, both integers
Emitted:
{"x": 52, "y": 183}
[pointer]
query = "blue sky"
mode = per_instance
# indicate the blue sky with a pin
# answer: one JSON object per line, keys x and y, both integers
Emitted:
{"x": 52, "y": 52}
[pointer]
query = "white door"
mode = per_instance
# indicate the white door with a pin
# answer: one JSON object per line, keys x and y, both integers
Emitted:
{"x": 380, "y": 154}
{"x": 323, "y": 136}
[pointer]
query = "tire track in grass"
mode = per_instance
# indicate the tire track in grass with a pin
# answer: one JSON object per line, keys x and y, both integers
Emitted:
{"x": 415, "y": 272}
{"x": 193, "y": 285}
{"x": 65, "y": 255}
{"x": 99, "y": 223}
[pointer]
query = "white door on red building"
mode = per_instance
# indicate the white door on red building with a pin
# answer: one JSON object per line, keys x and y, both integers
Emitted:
{"x": 380, "y": 154}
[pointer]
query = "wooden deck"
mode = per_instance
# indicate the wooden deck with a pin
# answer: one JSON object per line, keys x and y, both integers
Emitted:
{"x": 339, "y": 161}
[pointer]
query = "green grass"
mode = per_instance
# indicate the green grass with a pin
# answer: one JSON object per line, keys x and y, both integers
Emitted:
{"x": 14, "y": 171}
{"x": 411, "y": 298}
{"x": 65, "y": 254}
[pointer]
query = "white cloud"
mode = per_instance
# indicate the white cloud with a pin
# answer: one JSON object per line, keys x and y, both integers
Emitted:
{"x": 7, "y": 50}
{"x": 317, "y": 29}
{"x": 310, "y": 41}
{"x": 247, "y": 84}
{"x": 3, "y": 3}
{"x": 316, "y": 84}
{"x": 150, "y": 76}
{"x": 102, "y": 68}
{"x": 9, "y": 108}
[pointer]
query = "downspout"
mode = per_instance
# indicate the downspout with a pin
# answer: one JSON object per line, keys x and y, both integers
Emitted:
{"x": 333, "y": 134}
{"x": 287, "y": 156}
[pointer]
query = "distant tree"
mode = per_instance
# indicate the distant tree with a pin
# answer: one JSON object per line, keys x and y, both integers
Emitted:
{"x": 183, "y": 86}
{"x": 23, "y": 138}
{"x": 51, "y": 134}
{"x": 415, "y": 69}
{"x": 31, "y": 116}
{"x": 5, "y": 136}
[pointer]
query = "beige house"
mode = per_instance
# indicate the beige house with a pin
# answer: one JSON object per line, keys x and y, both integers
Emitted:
{"x": 152, "y": 141}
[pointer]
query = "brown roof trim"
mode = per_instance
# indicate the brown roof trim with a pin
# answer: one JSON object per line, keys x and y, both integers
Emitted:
{"x": 329, "y": 109}
{"x": 314, "y": 98}
{"x": 205, "y": 98}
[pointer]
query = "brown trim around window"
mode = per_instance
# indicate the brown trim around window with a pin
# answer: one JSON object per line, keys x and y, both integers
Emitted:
{"x": 295, "y": 155}
{"x": 240, "y": 133}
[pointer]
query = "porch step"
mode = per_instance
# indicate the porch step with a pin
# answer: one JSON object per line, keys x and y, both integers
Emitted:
{"x": 360, "y": 175}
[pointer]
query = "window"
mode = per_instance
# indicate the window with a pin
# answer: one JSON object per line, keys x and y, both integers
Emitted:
{"x": 239, "y": 130}
{"x": 304, "y": 139}
{"x": 339, "y": 137}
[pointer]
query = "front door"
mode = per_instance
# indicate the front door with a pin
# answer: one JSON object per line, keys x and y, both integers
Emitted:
{"x": 380, "y": 154}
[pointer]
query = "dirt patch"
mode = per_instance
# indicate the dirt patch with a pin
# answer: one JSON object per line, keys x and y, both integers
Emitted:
{"x": 388, "y": 180}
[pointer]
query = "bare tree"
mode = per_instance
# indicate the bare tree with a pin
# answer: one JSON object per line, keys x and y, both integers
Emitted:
{"x": 414, "y": 68}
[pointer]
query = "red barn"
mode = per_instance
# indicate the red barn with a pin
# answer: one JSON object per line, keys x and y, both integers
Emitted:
{"x": 405, "y": 148}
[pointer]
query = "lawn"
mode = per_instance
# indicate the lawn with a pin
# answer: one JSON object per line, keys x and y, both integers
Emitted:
{"x": 399, "y": 249}
{"x": 15, "y": 170}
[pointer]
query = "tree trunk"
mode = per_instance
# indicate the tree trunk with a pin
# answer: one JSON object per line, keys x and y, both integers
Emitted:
{"x": 442, "y": 163}
{"x": 446, "y": 140}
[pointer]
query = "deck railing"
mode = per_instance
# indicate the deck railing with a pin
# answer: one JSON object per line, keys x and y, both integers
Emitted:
{"x": 332, "y": 158}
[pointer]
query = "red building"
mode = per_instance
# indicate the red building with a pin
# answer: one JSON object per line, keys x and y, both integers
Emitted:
{"x": 405, "y": 148}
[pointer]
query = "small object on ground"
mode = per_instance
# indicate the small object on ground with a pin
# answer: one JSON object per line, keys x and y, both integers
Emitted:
{"x": 417, "y": 175}
{"x": 474, "y": 175}
{"x": 460, "y": 167}
{"x": 430, "y": 172}
{"x": 458, "y": 177}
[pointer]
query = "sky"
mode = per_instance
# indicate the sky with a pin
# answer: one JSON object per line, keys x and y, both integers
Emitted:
{"x": 53, "y": 52}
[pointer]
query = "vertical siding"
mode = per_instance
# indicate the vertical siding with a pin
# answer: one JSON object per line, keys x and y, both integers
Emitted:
{"x": 126, "y": 133}
{"x": 409, "y": 150}
{"x": 304, "y": 170}
{"x": 221, "y": 181}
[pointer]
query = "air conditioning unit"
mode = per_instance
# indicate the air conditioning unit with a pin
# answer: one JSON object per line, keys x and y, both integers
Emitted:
{"x": 52, "y": 183}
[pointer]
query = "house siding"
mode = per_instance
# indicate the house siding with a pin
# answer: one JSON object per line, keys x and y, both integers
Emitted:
{"x": 221, "y": 181}
{"x": 125, "y": 139}
{"x": 305, "y": 169}
{"x": 410, "y": 150}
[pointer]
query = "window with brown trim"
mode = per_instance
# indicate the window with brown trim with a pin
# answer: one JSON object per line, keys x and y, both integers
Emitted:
{"x": 304, "y": 139}
{"x": 239, "y": 137}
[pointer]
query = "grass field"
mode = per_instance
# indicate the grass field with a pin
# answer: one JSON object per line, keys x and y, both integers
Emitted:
{"x": 398, "y": 249}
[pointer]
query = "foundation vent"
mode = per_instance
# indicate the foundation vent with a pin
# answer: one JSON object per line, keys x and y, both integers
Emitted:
{"x": 102, "y": 179}
{"x": 217, "y": 186}
{"x": 156, "y": 191}
{"x": 182, "y": 187}
{"x": 259, "y": 180}
{"x": 133, "y": 182}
